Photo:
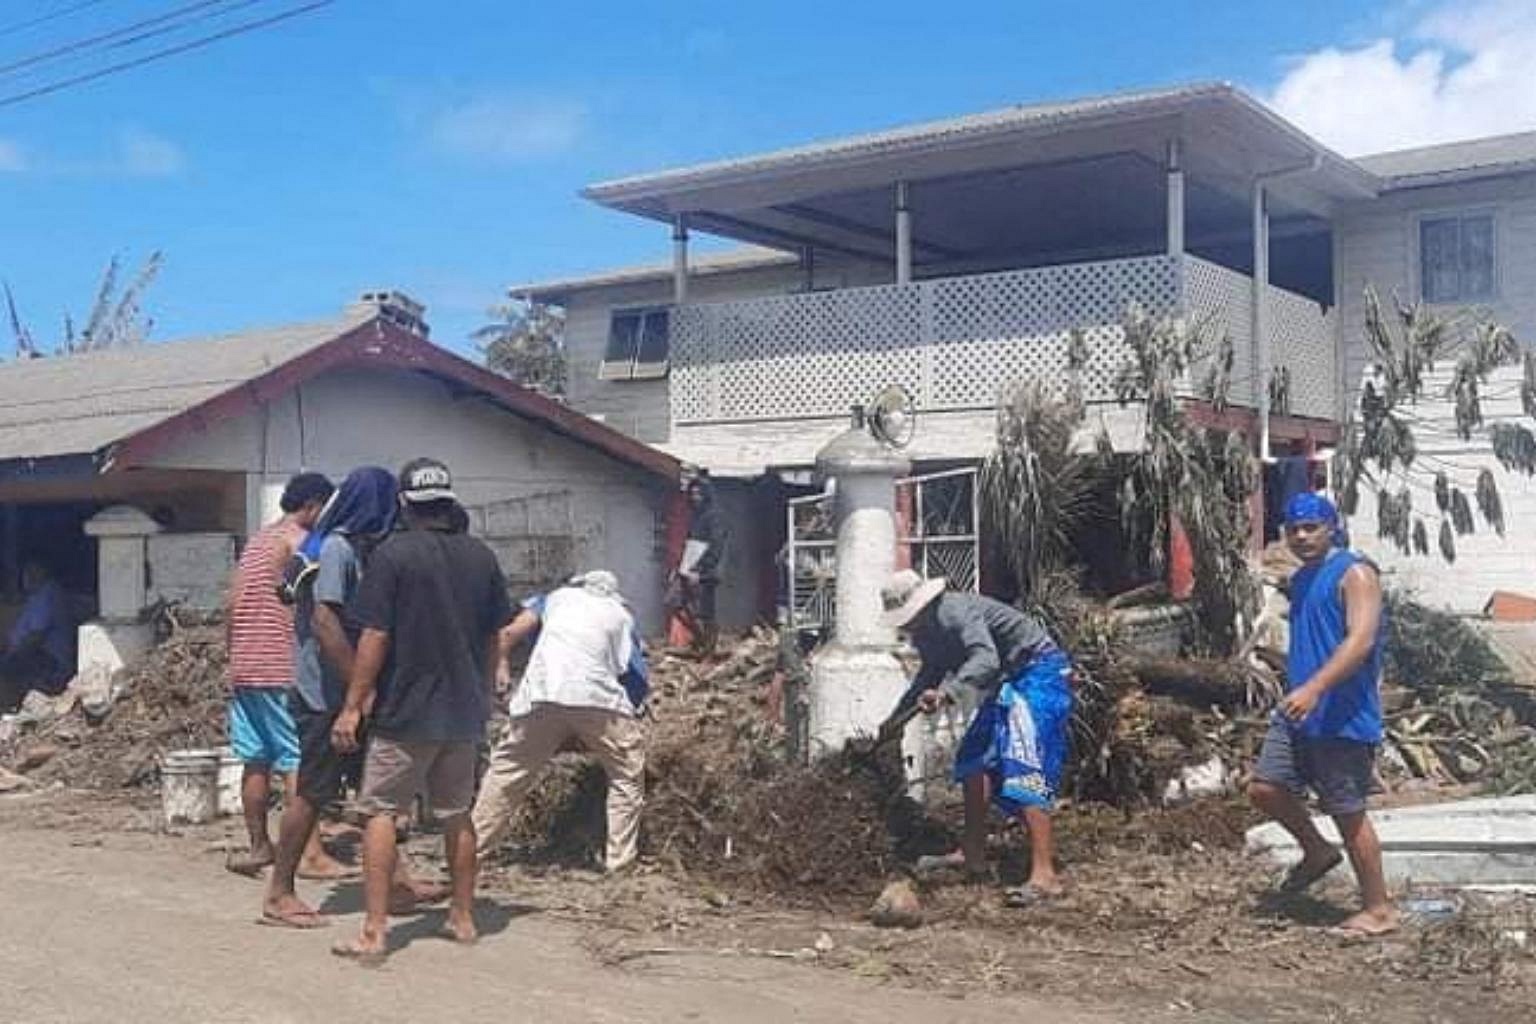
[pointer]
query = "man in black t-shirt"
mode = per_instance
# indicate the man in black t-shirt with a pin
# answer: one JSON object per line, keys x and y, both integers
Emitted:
{"x": 431, "y": 607}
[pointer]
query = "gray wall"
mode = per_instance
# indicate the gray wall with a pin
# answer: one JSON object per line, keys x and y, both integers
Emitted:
{"x": 1379, "y": 244}
{"x": 353, "y": 417}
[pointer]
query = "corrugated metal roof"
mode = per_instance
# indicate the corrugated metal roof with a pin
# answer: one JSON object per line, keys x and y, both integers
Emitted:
{"x": 80, "y": 404}
{"x": 928, "y": 134}
{"x": 1454, "y": 161}
{"x": 746, "y": 257}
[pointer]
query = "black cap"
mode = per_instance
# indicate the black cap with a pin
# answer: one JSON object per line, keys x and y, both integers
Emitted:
{"x": 425, "y": 480}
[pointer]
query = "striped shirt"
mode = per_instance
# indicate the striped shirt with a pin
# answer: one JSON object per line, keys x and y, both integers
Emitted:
{"x": 261, "y": 626}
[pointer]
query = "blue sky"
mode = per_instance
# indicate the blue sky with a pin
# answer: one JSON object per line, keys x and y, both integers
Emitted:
{"x": 438, "y": 147}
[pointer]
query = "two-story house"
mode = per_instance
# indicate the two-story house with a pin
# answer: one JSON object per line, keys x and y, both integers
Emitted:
{"x": 956, "y": 257}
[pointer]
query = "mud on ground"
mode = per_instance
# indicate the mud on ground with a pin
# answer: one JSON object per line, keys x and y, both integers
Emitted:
{"x": 1164, "y": 916}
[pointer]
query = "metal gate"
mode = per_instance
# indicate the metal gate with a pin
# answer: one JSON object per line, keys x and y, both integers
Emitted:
{"x": 941, "y": 513}
{"x": 937, "y": 517}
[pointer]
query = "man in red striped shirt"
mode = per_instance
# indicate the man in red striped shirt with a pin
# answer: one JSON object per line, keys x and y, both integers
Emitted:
{"x": 259, "y": 631}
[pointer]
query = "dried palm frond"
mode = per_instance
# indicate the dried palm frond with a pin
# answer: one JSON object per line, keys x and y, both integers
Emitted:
{"x": 1461, "y": 512}
{"x": 1488, "y": 501}
{"x": 1034, "y": 487}
{"x": 1378, "y": 442}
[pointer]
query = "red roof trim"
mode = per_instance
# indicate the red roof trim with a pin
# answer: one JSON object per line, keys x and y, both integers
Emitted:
{"x": 380, "y": 343}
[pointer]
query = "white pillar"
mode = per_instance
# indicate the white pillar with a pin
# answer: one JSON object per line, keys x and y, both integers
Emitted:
{"x": 1175, "y": 199}
{"x": 117, "y": 638}
{"x": 121, "y": 533}
{"x": 903, "y": 235}
{"x": 1259, "y": 322}
{"x": 679, "y": 259}
{"x": 857, "y": 679}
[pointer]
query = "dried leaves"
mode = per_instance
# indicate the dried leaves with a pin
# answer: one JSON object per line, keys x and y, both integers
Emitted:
{"x": 1379, "y": 447}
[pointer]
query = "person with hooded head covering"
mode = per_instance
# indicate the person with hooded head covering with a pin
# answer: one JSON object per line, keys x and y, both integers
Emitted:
{"x": 585, "y": 684}
{"x": 357, "y": 517}
{"x": 1324, "y": 735}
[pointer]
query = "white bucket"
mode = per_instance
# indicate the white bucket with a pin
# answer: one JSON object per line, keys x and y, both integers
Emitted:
{"x": 231, "y": 777}
{"x": 189, "y": 786}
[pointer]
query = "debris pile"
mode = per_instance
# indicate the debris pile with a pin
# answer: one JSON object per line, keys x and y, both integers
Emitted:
{"x": 724, "y": 801}
{"x": 174, "y": 698}
{"x": 1455, "y": 713}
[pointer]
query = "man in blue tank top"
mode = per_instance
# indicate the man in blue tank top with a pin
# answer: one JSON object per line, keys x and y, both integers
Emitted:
{"x": 1324, "y": 735}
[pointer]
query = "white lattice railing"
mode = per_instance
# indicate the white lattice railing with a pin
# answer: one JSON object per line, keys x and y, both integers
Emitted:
{"x": 1300, "y": 331}
{"x": 952, "y": 341}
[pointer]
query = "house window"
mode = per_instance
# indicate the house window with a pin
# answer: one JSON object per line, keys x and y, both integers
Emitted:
{"x": 1456, "y": 261}
{"x": 637, "y": 345}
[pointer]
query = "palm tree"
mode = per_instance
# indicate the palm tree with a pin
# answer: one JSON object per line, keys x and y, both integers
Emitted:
{"x": 526, "y": 342}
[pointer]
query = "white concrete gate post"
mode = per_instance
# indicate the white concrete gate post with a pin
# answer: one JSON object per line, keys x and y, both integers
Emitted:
{"x": 857, "y": 679}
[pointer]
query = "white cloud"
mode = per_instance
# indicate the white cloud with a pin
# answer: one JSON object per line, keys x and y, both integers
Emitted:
{"x": 143, "y": 154}
{"x": 1464, "y": 70}
{"x": 508, "y": 129}
{"x": 133, "y": 153}
{"x": 12, "y": 159}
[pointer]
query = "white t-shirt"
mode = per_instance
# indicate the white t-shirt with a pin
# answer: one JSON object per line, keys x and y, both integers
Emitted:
{"x": 584, "y": 646}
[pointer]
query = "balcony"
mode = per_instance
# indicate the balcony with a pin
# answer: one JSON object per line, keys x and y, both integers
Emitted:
{"x": 955, "y": 341}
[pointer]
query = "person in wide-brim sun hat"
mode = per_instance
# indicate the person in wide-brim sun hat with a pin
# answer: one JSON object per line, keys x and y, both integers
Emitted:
{"x": 1015, "y": 746}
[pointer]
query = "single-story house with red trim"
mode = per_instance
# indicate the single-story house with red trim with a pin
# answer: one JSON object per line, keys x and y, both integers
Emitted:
{"x": 200, "y": 435}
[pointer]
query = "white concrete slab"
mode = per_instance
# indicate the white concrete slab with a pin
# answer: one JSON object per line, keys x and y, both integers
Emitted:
{"x": 1487, "y": 841}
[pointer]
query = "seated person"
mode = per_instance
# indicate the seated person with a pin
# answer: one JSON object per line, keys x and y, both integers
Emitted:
{"x": 39, "y": 652}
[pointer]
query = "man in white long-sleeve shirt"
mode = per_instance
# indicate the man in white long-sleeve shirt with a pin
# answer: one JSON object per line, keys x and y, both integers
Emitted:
{"x": 584, "y": 684}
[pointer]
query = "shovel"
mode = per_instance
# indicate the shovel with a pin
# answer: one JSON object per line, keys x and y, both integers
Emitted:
{"x": 862, "y": 749}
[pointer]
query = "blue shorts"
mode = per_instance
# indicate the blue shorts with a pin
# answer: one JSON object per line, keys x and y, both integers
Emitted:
{"x": 1019, "y": 736}
{"x": 261, "y": 730}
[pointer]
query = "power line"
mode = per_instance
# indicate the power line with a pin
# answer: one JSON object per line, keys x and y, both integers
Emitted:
{"x": 43, "y": 19}
{"x": 115, "y": 34}
{"x": 170, "y": 51}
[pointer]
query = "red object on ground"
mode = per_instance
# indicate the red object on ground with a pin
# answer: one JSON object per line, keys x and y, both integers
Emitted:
{"x": 1505, "y": 606}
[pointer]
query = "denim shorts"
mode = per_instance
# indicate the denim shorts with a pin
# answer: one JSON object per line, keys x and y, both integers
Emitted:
{"x": 1339, "y": 771}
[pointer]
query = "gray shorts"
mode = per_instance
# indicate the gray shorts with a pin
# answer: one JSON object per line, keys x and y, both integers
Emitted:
{"x": 395, "y": 772}
{"x": 1339, "y": 771}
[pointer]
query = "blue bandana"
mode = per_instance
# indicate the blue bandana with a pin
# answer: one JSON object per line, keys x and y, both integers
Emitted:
{"x": 1310, "y": 507}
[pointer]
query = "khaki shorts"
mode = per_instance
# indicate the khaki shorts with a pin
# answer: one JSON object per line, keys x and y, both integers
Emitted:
{"x": 395, "y": 772}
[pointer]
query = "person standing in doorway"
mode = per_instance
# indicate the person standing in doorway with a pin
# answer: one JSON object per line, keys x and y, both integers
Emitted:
{"x": 698, "y": 575}
{"x": 586, "y": 683}
{"x": 39, "y": 651}
{"x": 1326, "y": 731}
{"x": 258, "y": 630}
{"x": 431, "y": 609}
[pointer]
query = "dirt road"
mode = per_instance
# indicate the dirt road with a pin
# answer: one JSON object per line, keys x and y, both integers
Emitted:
{"x": 144, "y": 928}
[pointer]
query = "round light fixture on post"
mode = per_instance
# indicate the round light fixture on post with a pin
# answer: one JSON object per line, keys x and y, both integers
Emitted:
{"x": 892, "y": 416}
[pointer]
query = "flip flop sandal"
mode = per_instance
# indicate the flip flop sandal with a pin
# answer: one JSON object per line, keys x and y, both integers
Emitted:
{"x": 246, "y": 867}
{"x": 1299, "y": 879}
{"x": 1353, "y": 936}
{"x": 932, "y": 863}
{"x": 448, "y": 933}
{"x": 1021, "y": 897}
{"x": 345, "y": 873}
{"x": 298, "y": 922}
{"x": 361, "y": 957}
